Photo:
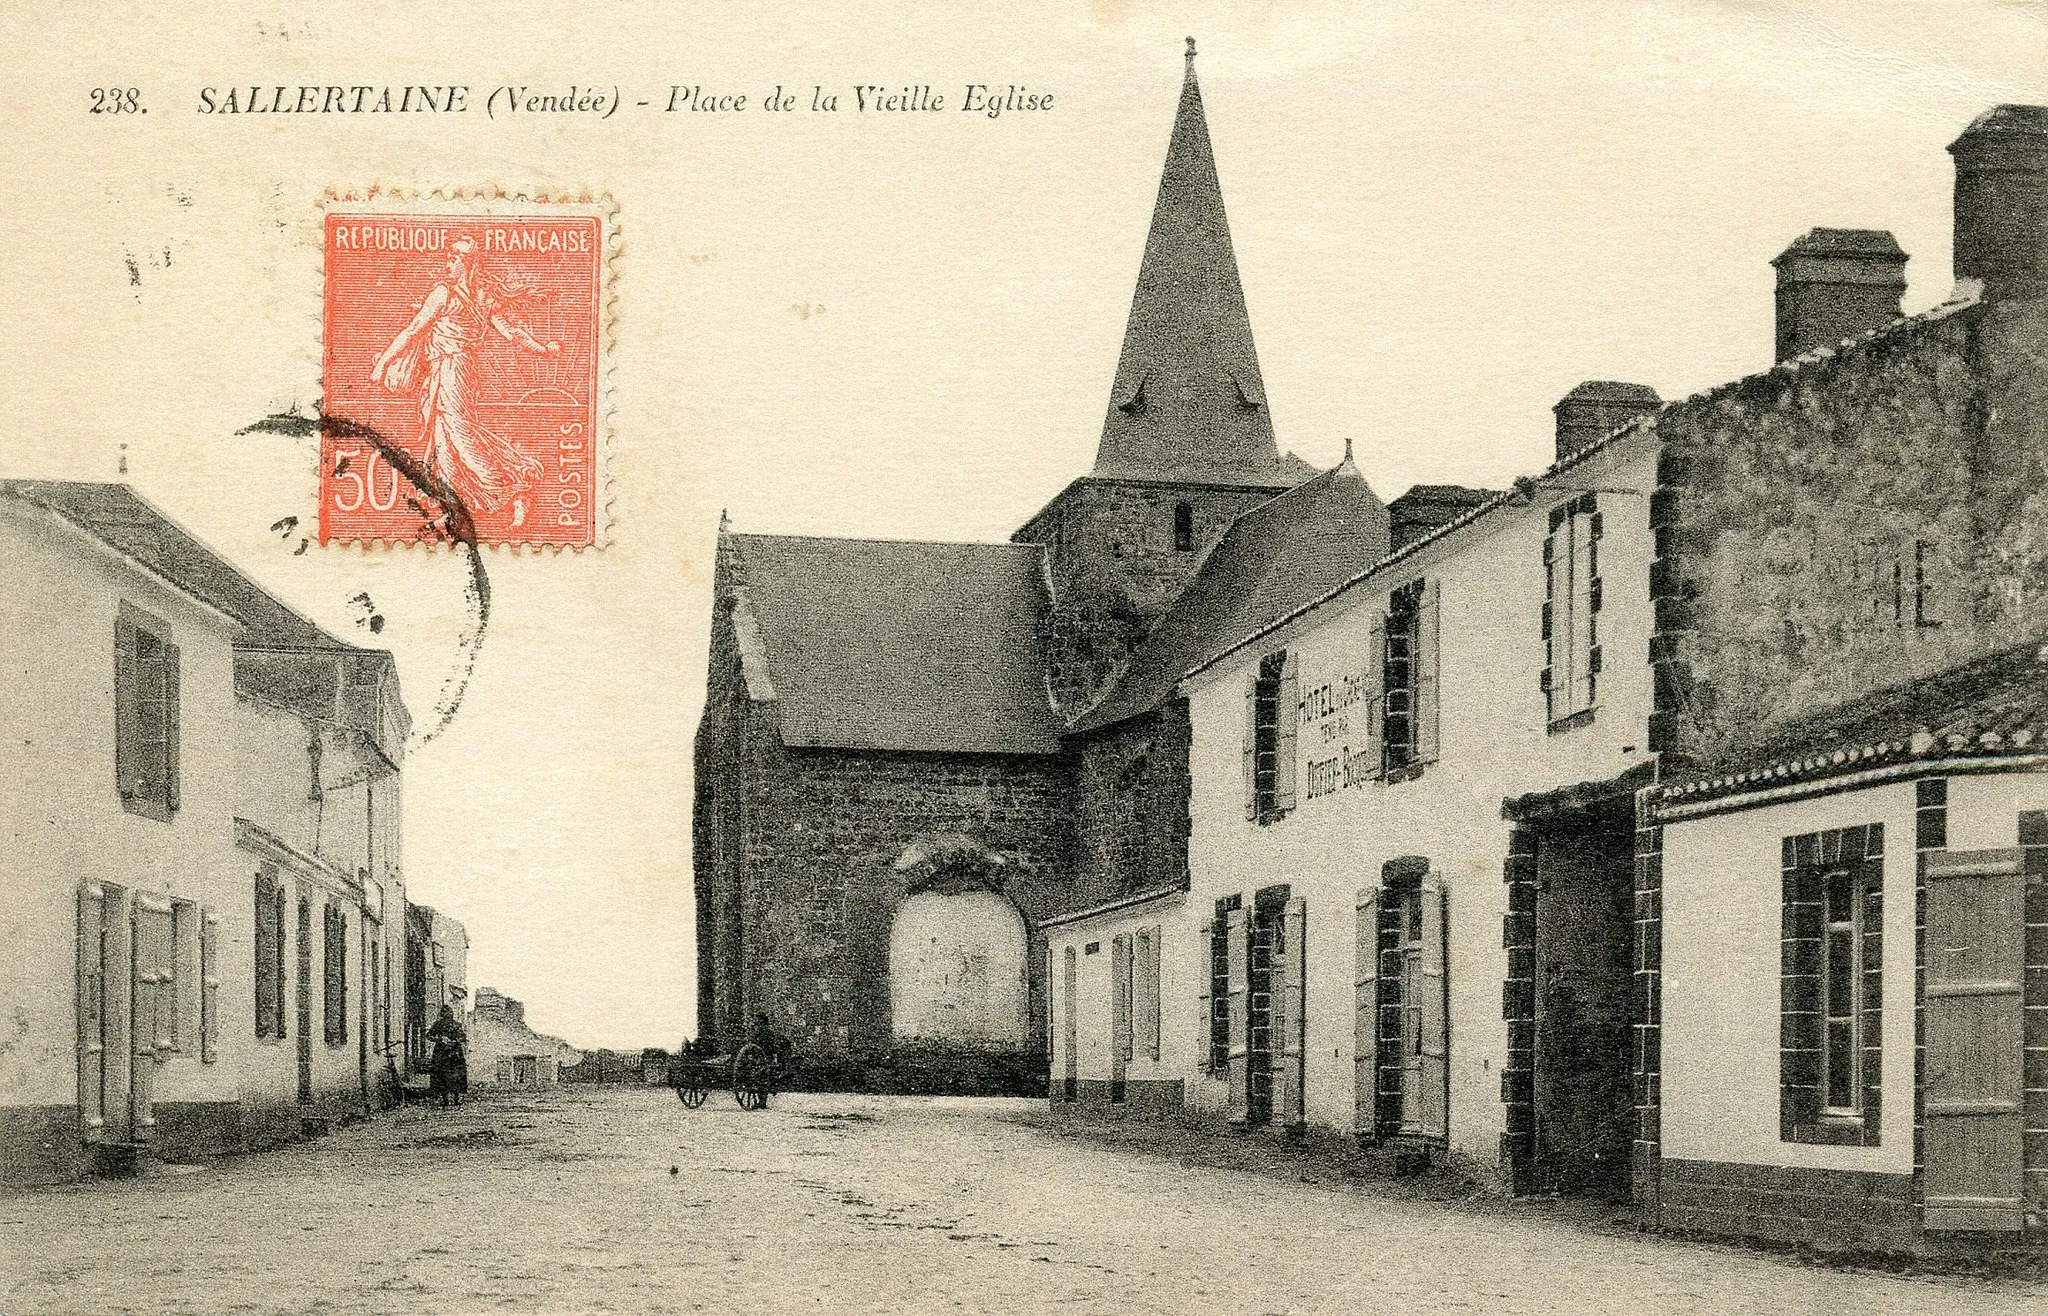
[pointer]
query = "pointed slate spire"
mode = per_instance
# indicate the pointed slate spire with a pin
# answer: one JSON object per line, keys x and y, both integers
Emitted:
{"x": 1188, "y": 403}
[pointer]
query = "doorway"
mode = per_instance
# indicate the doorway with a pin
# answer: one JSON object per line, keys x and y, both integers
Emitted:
{"x": 1583, "y": 970}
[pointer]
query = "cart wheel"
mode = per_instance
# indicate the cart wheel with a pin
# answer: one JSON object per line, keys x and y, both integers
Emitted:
{"x": 692, "y": 1097}
{"x": 751, "y": 1075}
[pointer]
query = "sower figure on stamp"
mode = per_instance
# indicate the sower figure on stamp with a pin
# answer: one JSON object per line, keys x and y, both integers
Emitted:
{"x": 451, "y": 1061}
{"x": 436, "y": 353}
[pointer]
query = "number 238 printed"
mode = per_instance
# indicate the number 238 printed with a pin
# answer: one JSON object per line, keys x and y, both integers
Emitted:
{"x": 116, "y": 100}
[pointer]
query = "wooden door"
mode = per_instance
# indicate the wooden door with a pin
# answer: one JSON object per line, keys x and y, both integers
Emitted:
{"x": 1975, "y": 925}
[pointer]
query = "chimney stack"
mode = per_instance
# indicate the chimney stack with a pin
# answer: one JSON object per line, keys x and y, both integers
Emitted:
{"x": 1595, "y": 408}
{"x": 2001, "y": 232}
{"x": 1836, "y": 283}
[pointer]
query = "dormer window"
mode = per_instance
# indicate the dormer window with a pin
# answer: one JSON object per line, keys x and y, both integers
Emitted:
{"x": 1183, "y": 528}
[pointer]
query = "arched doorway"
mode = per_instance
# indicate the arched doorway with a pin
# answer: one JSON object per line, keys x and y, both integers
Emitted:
{"x": 957, "y": 970}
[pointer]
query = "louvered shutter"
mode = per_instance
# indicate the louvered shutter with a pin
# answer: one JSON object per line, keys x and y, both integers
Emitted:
{"x": 1286, "y": 733}
{"x": 92, "y": 1012}
{"x": 1376, "y": 696}
{"x": 170, "y": 678}
{"x": 1428, "y": 664}
{"x": 209, "y": 985}
{"x": 127, "y": 709}
{"x": 1290, "y": 1012}
{"x": 1205, "y": 1004}
{"x": 1238, "y": 947}
{"x": 149, "y": 1003}
{"x": 1148, "y": 992}
{"x": 1251, "y": 747}
{"x": 1365, "y": 1023}
{"x": 1433, "y": 1043}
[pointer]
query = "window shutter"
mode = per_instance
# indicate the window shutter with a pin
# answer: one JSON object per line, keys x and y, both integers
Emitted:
{"x": 1286, "y": 734}
{"x": 209, "y": 985}
{"x": 1556, "y": 628}
{"x": 1238, "y": 943}
{"x": 1428, "y": 666}
{"x": 1365, "y": 1026}
{"x": 1120, "y": 999}
{"x": 1205, "y": 1007}
{"x": 1251, "y": 746}
{"x": 1433, "y": 1048}
{"x": 127, "y": 709}
{"x": 266, "y": 931}
{"x": 170, "y": 675}
{"x": 1376, "y": 695}
{"x": 277, "y": 923}
{"x": 1148, "y": 992}
{"x": 1290, "y": 1014}
{"x": 91, "y": 990}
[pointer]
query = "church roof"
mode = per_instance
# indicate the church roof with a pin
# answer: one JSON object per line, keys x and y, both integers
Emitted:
{"x": 900, "y": 645}
{"x": 1278, "y": 556}
{"x": 1188, "y": 402}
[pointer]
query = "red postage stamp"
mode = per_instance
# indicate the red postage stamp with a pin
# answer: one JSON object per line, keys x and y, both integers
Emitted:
{"x": 463, "y": 373}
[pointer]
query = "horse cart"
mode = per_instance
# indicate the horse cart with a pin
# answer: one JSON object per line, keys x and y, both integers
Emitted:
{"x": 749, "y": 1074}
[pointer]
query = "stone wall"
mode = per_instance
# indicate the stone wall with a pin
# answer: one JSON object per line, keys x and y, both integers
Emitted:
{"x": 1131, "y": 807}
{"x": 822, "y": 892}
{"x": 1117, "y": 567}
{"x": 1838, "y": 528}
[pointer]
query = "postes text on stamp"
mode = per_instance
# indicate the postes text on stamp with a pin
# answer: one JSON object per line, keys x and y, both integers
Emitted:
{"x": 462, "y": 374}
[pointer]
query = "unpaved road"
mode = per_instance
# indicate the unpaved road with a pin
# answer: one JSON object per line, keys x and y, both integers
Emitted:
{"x": 566, "y": 1203}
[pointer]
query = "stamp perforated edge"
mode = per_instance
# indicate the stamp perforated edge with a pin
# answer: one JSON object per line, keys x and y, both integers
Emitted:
{"x": 489, "y": 199}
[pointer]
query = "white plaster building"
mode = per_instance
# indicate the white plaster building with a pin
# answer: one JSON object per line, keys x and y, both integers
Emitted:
{"x": 194, "y": 778}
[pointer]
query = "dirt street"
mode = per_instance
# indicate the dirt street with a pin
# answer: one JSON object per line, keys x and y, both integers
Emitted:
{"x": 567, "y": 1203}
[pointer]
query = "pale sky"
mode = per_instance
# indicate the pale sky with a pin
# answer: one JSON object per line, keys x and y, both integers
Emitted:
{"x": 907, "y": 325}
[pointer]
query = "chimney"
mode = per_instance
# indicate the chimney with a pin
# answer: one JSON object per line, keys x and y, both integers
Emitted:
{"x": 2001, "y": 232}
{"x": 1836, "y": 283}
{"x": 1426, "y": 507}
{"x": 1596, "y": 407}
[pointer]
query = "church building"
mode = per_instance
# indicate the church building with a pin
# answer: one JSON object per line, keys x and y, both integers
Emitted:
{"x": 914, "y": 755}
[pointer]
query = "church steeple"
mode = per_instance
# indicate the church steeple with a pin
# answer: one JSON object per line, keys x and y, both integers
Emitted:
{"x": 1188, "y": 403}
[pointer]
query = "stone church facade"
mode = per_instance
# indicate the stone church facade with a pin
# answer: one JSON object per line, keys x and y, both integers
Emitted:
{"x": 912, "y": 755}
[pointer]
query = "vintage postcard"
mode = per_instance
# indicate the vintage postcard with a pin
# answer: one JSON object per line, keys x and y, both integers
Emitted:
{"x": 1108, "y": 657}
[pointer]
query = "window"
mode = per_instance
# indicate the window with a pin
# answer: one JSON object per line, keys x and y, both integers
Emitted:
{"x": 1271, "y": 720}
{"x": 1571, "y": 612}
{"x": 334, "y": 973}
{"x": 1401, "y": 1023}
{"x": 1183, "y": 528}
{"x": 269, "y": 954}
{"x": 1403, "y": 683}
{"x": 1832, "y": 990}
{"x": 146, "y": 670}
